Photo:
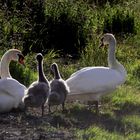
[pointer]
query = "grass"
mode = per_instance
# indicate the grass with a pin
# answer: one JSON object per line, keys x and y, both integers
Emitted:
{"x": 119, "y": 116}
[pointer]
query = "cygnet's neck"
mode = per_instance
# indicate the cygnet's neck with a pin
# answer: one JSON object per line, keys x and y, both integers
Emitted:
{"x": 5, "y": 61}
{"x": 56, "y": 73}
{"x": 41, "y": 75}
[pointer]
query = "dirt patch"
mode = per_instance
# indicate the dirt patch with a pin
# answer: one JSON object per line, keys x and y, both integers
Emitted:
{"x": 58, "y": 125}
{"x": 18, "y": 126}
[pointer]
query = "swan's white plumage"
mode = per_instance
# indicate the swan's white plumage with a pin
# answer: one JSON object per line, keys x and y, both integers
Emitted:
{"x": 94, "y": 80}
{"x": 11, "y": 91}
{"x": 90, "y": 83}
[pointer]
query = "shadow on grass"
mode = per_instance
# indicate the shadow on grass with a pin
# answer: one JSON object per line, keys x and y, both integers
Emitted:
{"x": 112, "y": 123}
{"x": 128, "y": 109}
{"x": 77, "y": 117}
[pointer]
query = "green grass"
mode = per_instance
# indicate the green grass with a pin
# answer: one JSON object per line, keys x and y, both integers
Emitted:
{"x": 119, "y": 116}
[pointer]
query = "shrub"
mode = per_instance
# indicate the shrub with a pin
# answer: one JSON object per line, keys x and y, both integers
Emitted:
{"x": 104, "y": 2}
{"x": 63, "y": 28}
{"x": 136, "y": 71}
{"x": 120, "y": 21}
{"x": 23, "y": 75}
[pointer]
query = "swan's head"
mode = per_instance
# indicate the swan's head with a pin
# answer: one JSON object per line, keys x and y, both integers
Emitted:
{"x": 16, "y": 55}
{"x": 39, "y": 57}
{"x": 106, "y": 39}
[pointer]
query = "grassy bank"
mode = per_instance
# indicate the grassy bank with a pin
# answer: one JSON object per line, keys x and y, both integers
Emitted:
{"x": 119, "y": 116}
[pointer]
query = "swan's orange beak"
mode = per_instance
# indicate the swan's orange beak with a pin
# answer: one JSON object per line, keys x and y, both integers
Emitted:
{"x": 21, "y": 60}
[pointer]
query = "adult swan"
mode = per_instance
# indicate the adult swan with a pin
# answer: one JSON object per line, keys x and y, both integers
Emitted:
{"x": 90, "y": 83}
{"x": 11, "y": 91}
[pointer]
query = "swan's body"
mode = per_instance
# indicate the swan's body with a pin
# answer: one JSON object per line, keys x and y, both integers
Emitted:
{"x": 37, "y": 93}
{"x": 11, "y": 91}
{"x": 59, "y": 88}
{"x": 90, "y": 83}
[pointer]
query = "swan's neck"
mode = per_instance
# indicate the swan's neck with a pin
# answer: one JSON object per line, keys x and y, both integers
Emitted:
{"x": 56, "y": 73}
{"x": 5, "y": 61}
{"x": 112, "y": 62}
{"x": 41, "y": 77}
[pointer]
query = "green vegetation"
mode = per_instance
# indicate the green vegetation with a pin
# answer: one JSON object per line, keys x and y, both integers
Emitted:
{"x": 67, "y": 29}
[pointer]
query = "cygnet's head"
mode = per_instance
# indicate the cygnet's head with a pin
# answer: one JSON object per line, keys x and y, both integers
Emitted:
{"x": 54, "y": 67}
{"x": 16, "y": 55}
{"x": 106, "y": 39}
{"x": 39, "y": 57}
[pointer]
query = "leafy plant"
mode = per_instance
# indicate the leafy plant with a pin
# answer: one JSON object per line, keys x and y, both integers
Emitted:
{"x": 120, "y": 21}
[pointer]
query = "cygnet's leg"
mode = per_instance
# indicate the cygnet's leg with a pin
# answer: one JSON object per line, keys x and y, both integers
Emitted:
{"x": 97, "y": 107}
{"x": 63, "y": 106}
{"x": 25, "y": 110}
{"x": 49, "y": 108}
{"x": 42, "y": 107}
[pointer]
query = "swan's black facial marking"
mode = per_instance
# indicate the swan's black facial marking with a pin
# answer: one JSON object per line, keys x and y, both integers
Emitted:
{"x": 21, "y": 59}
{"x": 102, "y": 42}
{"x": 102, "y": 39}
{"x": 39, "y": 57}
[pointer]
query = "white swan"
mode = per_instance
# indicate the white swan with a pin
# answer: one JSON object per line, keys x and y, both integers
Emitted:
{"x": 59, "y": 88}
{"x": 90, "y": 83}
{"x": 37, "y": 93}
{"x": 11, "y": 91}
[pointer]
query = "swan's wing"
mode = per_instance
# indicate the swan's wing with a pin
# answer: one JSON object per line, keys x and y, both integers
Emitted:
{"x": 95, "y": 79}
{"x": 12, "y": 87}
{"x": 81, "y": 70}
